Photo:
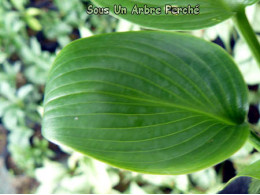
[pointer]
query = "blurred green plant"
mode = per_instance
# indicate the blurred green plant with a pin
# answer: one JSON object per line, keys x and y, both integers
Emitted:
{"x": 24, "y": 64}
{"x": 18, "y": 110}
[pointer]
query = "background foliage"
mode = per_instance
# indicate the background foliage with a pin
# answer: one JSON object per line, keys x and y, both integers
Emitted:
{"x": 31, "y": 34}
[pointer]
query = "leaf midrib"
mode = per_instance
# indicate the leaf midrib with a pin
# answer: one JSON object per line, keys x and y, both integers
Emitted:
{"x": 166, "y": 104}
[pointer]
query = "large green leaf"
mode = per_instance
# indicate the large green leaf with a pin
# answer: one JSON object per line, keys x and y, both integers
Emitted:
{"x": 153, "y": 102}
{"x": 211, "y": 12}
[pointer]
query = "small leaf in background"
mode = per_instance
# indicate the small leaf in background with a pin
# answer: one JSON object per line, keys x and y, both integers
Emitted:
{"x": 20, "y": 136}
{"x": 7, "y": 91}
{"x": 4, "y": 104}
{"x": 33, "y": 23}
{"x": 24, "y": 91}
{"x": 252, "y": 170}
{"x": 83, "y": 176}
{"x": 36, "y": 75}
{"x": 35, "y": 46}
{"x": 237, "y": 185}
{"x": 19, "y": 4}
{"x": 152, "y": 102}
{"x": 246, "y": 181}
{"x": 32, "y": 11}
{"x": 13, "y": 118}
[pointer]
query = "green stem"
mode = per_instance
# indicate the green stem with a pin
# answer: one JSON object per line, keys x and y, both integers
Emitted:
{"x": 247, "y": 33}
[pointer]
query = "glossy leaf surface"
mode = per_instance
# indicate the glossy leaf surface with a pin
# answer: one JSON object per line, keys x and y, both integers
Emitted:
{"x": 153, "y": 102}
{"x": 210, "y": 12}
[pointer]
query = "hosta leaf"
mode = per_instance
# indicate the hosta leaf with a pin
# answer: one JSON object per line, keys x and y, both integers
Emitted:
{"x": 152, "y": 102}
{"x": 242, "y": 183}
{"x": 252, "y": 170}
{"x": 210, "y": 12}
{"x": 237, "y": 185}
